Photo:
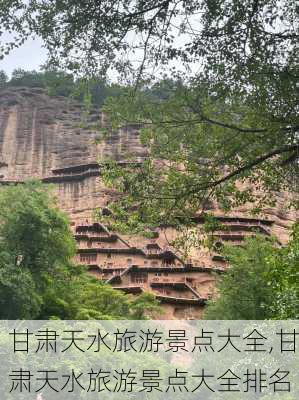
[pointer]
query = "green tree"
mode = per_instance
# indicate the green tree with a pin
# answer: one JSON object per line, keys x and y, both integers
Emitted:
{"x": 58, "y": 83}
{"x": 101, "y": 301}
{"x": 3, "y": 78}
{"x": 18, "y": 293}
{"x": 262, "y": 282}
{"x": 38, "y": 279}
{"x": 91, "y": 91}
{"x": 73, "y": 294}
{"x": 20, "y": 77}
{"x": 231, "y": 117}
{"x": 197, "y": 153}
{"x": 235, "y": 36}
{"x": 284, "y": 279}
{"x": 234, "y": 118}
{"x": 33, "y": 230}
{"x": 35, "y": 243}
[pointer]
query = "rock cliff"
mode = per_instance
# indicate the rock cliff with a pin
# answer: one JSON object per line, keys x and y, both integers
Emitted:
{"x": 52, "y": 139}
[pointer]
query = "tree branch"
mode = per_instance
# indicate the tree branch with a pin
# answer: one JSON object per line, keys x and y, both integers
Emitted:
{"x": 164, "y": 4}
{"x": 254, "y": 163}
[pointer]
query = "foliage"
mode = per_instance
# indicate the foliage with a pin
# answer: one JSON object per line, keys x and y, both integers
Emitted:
{"x": 3, "y": 78}
{"x": 262, "y": 282}
{"x": 284, "y": 279}
{"x": 243, "y": 290}
{"x": 238, "y": 36}
{"x": 225, "y": 127}
{"x": 35, "y": 243}
{"x": 94, "y": 91}
{"x": 196, "y": 155}
{"x": 58, "y": 83}
{"x": 18, "y": 295}
{"x": 38, "y": 279}
{"x": 33, "y": 230}
{"x": 91, "y": 91}
{"x": 20, "y": 77}
{"x": 228, "y": 115}
{"x": 78, "y": 296}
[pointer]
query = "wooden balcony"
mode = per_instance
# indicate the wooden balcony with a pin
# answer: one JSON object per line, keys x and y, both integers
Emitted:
{"x": 180, "y": 300}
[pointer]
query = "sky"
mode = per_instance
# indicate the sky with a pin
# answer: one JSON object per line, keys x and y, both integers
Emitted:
{"x": 31, "y": 55}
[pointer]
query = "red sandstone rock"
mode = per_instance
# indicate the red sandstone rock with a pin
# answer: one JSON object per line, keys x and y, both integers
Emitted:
{"x": 49, "y": 139}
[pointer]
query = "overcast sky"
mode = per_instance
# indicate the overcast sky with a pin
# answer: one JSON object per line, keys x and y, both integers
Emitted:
{"x": 29, "y": 56}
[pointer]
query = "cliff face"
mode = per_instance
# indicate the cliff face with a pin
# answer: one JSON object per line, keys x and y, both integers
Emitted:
{"x": 44, "y": 137}
{"x": 51, "y": 139}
